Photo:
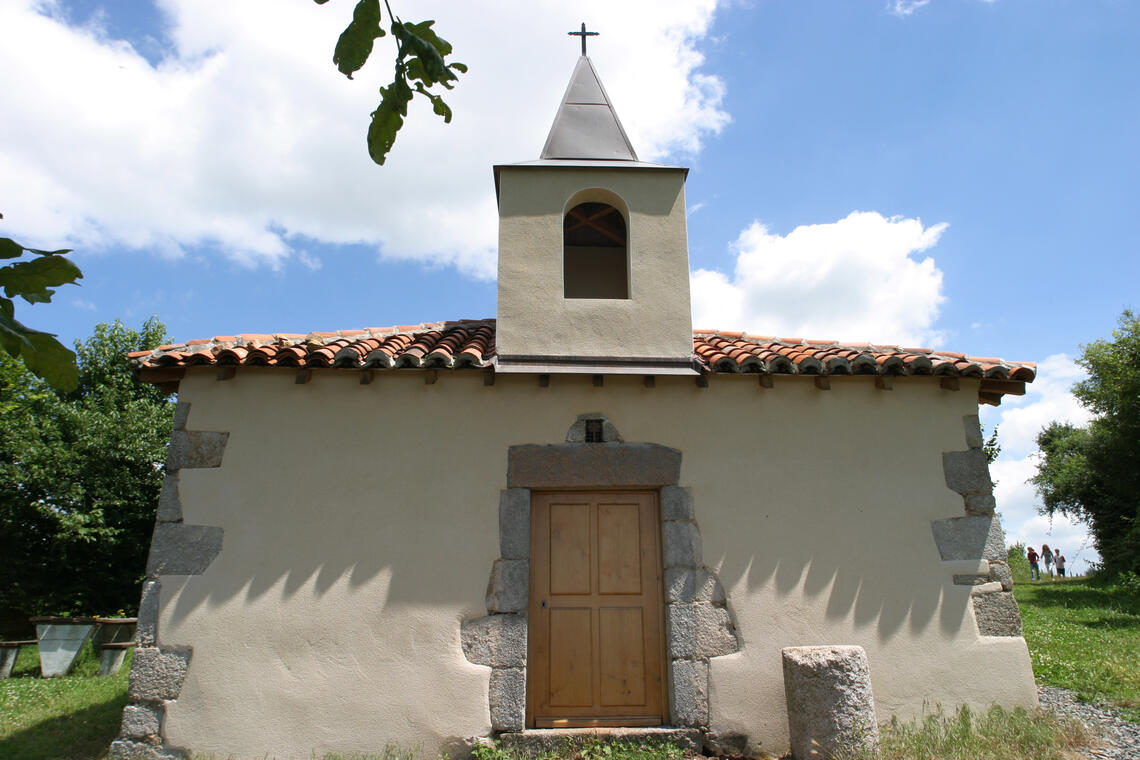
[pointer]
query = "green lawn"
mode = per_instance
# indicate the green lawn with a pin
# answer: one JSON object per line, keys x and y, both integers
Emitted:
{"x": 74, "y": 717}
{"x": 1086, "y": 638}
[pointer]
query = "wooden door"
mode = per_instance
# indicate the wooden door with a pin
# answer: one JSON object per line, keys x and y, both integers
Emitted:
{"x": 595, "y": 644}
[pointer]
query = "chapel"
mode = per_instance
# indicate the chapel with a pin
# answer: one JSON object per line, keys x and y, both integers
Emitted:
{"x": 583, "y": 513}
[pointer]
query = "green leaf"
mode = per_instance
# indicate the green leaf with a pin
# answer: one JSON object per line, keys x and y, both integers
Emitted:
{"x": 428, "y": 47}
{"x": 355, "y": 43}
{"x": 10, "y": 249}
{"x": 45, "y": 356}
{"x": 32, "y": 279}
{"x": 459, "y": 66}
{"x": 320, "y": 2}
{"x": 388, "y": 118}
{"x": 437, "y": 103}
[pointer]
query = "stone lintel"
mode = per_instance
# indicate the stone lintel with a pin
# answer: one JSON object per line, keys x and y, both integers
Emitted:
{"x": 181, "y": 549}
{"x": 597, "y": 465}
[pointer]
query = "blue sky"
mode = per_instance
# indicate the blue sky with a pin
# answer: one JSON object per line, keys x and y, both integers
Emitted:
{"x": 955, "y": 173}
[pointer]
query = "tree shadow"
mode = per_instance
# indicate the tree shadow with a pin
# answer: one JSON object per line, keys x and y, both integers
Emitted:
{"x": 80, "y": 735}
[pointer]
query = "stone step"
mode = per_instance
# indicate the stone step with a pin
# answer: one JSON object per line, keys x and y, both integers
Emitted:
{"x": 543, "y": 741}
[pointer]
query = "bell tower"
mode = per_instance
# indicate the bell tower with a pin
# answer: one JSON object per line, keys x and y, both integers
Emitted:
{"x": 593, "y": 249}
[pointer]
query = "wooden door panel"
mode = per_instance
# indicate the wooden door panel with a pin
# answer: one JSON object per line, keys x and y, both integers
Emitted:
{"x": 596, "y": 649}
{"x": 619, "y": 549}
{"x": 571, "y": 657}
{"x": 621, "y": 657}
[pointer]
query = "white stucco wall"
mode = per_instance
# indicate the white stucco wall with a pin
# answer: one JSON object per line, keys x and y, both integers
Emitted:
{"x": 360, "y": 524}
{"x": 653, "y": 322}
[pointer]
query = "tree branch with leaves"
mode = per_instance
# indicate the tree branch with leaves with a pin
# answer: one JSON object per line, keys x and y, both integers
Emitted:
{"x": 34, "y": 278}
{"x": 421, "y": 64}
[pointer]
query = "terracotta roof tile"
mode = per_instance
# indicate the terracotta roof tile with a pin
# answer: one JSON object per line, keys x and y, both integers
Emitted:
{"x": 471, "y": 344}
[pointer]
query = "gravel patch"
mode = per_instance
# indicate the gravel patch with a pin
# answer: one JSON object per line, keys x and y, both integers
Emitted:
{"x": 1120, "y": 739}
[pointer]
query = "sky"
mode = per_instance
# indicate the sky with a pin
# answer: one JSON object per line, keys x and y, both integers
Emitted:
{"x": 956, "y": 174}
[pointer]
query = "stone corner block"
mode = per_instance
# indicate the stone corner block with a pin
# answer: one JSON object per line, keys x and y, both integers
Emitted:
{"x": 830, "y": 704}
{"x": 126, "y": 749}
{"x": 687, "y": 584}
{"x": 140, "y": 722}
{"x": 146, "y": 633}
{"x": 196, "y": 448}
{"x": 1000, "y": 572}
{"x": 514, "y": 523}
{"x": 181, "y": 414}
{"x": 689, "y": 695}
{"x": 973, "y": 428}
{"x": 676, "y": 503}
{"x": 997, "y": 614}
{"x": 169, "y": 502}
{"x": 157, "y": 674}
{"x": 181, "y": 549}
{"x": 681, "y": 542}
{"x": 980, "y": 503}
{"x": 495, "y": 640}
{"x": 509, "y": 587}
{"x": 507, "y": 694}
{"x": 971, "y": 537}
{"x": 700, "y": 630}
{"x": 967, "y": 471}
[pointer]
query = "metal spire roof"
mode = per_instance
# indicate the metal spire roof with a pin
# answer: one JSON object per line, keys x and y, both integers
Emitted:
{"x": 587, "y": 127}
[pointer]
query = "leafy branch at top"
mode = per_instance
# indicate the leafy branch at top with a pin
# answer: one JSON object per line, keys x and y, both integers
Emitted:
{"x": 420, "y": 65}
{"x": 33, "y": 279}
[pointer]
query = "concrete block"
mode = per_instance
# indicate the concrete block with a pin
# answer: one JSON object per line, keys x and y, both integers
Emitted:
{"x": 509, "y": 587}
{"x": 960, "y": 538}
{"x": 196, "y": 448}
{"x": 681, "y": 542}
{"x": 140, "y": 722}
{"x": 157, "y": 674}
{"x": 997, "y": 613}
{"x": 688, "y": 584}
{"x": 495, "y": 640}
{"x": 514, "y": 523}
{"x": 508, "y": 699}
{"x": 147, "y": 632}
{"x": 111, "y": 660}
{"x": 59, "y": 645}
{"x": 830, "y": 705}
{"x": 169, "y": 503}
{"x": 181, "y": 549}
{"x": 8, "y": 657}
{"x": 676, "y": 503}
{"x": 689, "y": 693}
{"x": 699, "y": 630}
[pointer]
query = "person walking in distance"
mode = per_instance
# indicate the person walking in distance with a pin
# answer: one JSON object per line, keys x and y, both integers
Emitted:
{"x": 1059, "y": 559}
{"x": 1034, "y": 569}
{"x": 1047, "y": 555}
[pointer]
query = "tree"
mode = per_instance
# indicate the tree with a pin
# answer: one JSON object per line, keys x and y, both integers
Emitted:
{"x": 420, "y": 65}
{"x": 80, "y": 476}
{"x": 32, "y": 278}
{"x": 1093, "y": 473}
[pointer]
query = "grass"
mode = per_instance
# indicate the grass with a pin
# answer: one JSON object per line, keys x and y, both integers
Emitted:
{"x": 74, "y": 716}
{"x": 998, "y": 733}
{"x": 1085, "y": 637}
{"x": 590, "y": 749}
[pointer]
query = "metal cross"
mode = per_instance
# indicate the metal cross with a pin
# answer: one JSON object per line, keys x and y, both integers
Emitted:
{"x": 583, "y": 34}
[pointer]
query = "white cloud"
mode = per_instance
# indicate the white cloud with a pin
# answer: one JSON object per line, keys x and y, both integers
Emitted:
{"x": 905, "y": 7}
{"x": 1019, "y": 419}
{"x": 244, "y": 135}
{"x": 857, "y": 279}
